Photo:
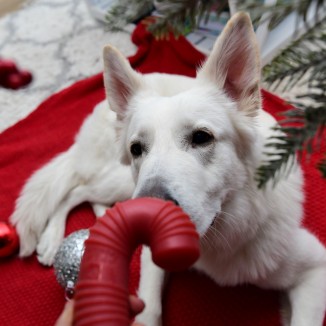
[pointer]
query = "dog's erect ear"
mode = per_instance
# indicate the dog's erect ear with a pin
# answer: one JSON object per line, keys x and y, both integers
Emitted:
{"x": 234, "y": 63}
{"x": 120, "y": 80}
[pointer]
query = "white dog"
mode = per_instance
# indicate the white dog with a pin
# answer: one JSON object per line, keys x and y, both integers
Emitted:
{"x": 197, "y": 142}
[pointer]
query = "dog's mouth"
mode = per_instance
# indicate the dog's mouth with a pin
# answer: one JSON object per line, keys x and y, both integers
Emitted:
{"x": 214, "y": 219}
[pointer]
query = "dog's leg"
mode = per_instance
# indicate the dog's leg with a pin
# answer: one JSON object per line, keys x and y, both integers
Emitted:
{"x": 51, "y": 238}
{"x": 39, "y": 199}
{"x": 150, "y": 290}
{"x": 53, "y": 234}
{"x": 108, "y": 188}
{"x": 308, "y": 299}
{"x": 308, "y": 293}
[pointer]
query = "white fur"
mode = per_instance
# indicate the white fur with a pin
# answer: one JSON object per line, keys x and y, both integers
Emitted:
{"x": 82, "y": 173}
{"x": 247, "y": 235}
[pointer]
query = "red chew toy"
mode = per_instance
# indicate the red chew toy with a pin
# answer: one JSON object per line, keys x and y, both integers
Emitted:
{"x": 102, "y": 290}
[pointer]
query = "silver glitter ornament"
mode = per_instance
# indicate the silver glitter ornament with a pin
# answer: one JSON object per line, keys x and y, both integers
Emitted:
{"x": 67, "y": 260}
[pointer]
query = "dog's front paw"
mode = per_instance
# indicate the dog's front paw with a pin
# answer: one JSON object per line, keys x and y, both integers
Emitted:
{"x": 29, "y": 229}
{"x": 50, "y": 241}
{"x": 47, "y": 248}
{"x": 27, "y": 238}
{"x": 149, "y": 319}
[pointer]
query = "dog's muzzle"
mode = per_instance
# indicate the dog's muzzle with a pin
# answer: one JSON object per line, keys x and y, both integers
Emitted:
{"x": 155, "y": 188}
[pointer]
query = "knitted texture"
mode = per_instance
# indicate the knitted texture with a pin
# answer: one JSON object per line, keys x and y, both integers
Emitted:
{"x": 30, "y": 294}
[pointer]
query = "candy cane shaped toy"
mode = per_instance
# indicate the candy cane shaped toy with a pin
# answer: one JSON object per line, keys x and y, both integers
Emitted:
{"x": 102, "y": 290}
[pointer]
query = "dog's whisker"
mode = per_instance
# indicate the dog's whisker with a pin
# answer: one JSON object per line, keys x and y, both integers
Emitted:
{"x": 225, "y": 242}
{"x": 217, "y": 235}
{"x": 226, "y": 218}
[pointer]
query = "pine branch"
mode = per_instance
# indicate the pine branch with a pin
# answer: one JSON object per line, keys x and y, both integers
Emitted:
{"x": 280, "y": 10}
{"x": 177, "y": 16}
{"x": 125, "y": 12}
{"x": 308, "y": 53}
{"x": 302, "y": 130}
{"x": 305, "y": 55}
{"x": 182, "y": 16}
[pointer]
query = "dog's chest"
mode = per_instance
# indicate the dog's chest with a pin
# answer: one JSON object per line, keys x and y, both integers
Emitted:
{"x": 241, "y": 268}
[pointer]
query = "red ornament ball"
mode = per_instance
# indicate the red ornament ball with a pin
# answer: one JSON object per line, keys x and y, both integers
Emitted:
{"x": 9, "y": 241}
{"x": 12, "y": 77}
{"x": 7, "y": 67}
{"x": 14, "y": 81}
{"x": 26, "y": 77}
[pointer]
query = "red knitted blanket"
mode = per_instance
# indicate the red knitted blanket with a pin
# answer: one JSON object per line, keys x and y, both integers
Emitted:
{"x": 29, "y": 292}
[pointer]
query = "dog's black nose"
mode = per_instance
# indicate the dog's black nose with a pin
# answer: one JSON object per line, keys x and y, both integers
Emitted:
{"x": 155, "y": 188}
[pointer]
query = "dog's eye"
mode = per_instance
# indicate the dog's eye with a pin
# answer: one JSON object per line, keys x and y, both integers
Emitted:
{"x": 201, "y": 137}
{"x": 136, "y": 149}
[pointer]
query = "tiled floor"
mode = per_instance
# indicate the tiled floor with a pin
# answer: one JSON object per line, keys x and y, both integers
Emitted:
{"x": 60, "y": 42}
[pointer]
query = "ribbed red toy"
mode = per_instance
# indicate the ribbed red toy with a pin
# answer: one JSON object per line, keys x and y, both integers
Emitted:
{"x": 102, "y": 289}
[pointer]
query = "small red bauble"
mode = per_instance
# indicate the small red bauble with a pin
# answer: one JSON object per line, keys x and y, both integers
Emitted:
{"x": 14, "y": 81}
{"x": 7, "y": 67}
{"x": 26, "y": 77}
{"x": 12, "y": 77}
{"x": 9, "y": 242}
